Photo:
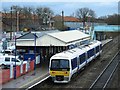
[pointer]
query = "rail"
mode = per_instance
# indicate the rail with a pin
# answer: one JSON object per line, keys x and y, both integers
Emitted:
{"x": 94, "y": 84}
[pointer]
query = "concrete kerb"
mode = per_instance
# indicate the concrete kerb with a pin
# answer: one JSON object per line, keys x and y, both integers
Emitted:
{"x": 104, "y": 42}
{"x": 38, "y": 82}
{"x": 34, "y": 81}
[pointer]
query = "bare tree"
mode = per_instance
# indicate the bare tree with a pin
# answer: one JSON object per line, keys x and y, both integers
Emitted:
{"x": 27, "y": 11}
{"x": 83, "y": 14}
{"x": 16, "y": 8}
{"x": 44, "y": 13}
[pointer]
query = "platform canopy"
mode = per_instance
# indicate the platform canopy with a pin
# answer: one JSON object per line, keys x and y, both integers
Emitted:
{"x": 64, "y": 38}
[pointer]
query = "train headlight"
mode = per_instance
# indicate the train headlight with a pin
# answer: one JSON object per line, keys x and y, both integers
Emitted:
{"x": 66, "y": 73}
{"x": 53, "y": 72}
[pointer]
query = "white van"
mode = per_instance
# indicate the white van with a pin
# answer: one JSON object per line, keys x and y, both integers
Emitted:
{"x": 8, "y": 51}
{"x": 7, "y": 60}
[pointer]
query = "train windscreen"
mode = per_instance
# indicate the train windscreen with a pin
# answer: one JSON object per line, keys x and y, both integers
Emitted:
{"x": 58, "y": 64}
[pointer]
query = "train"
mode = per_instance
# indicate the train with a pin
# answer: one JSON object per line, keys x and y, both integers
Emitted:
{"x": 65, "y": 64}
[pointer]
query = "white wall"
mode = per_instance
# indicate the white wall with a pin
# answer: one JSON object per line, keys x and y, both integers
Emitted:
{"x": 47, "y": 40}
{"x": 25, "y": 43}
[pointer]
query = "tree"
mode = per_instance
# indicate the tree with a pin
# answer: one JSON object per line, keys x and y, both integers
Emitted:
{"x": 110, "y": 19}
{"x": 16, "y": 8}
{"x": 27, "y": 11}
{"x": 44, "y": 13}
{"x": 113, "y": 19}
{"x": 83, "y": 14}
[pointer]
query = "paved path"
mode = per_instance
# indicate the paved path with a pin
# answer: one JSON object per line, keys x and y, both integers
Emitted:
{"x": 28, "y": 79}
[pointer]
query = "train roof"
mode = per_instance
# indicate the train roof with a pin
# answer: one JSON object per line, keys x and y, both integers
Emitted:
{"x": 72, "y": 52}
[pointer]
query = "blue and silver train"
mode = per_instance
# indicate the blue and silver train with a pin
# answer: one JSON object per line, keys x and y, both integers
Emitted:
{"x": 63, "y": 65}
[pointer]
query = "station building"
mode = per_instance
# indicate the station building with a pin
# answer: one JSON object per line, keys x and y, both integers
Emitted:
{"x": 49, "y": 43}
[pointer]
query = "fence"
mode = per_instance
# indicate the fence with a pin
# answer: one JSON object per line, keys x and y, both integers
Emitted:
{"x": 8, "y": 74}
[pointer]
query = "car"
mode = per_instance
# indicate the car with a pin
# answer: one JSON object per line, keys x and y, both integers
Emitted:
{"x": 7, "y": 60}
{"x": 8, "y": 51}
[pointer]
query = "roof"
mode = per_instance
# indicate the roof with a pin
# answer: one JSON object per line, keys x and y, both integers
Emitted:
{"x": 107, "y": 28}
{"x": 28, "y": 36}
{"x": 31, "y": 35}
{"x": 67, "y": 18}
{"x": 71, "y": 19}
{"x": 75, "y": 51}
{"x": 69, "y": 36}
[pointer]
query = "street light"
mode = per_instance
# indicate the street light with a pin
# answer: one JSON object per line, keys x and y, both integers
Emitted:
{"x": 17, "y": 17}
{"x": 11, "y": 24}
{"x": 35, "y": 51}
{"x": 15, "y": 58}
{"x": 62, "y": 19}
{"x": 89, "y": 17}
{"x": 91, "y": 32}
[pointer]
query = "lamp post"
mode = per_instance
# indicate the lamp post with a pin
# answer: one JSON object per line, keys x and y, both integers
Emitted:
{"x": 17, "y": 28}
{"x": 91, "y": 24}
{"x": 35, "y": 51}
{"x": 15, "y": 58}
{"x": 62, "y": 19}
{"x": 17, "y": 17}
{"x": 11, "y": 26}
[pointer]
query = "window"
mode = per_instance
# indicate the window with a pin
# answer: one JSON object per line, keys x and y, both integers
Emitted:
{"x": 55, "y": 64}
{"x": 64, "y": 64}
{"x": 59, "y": 64}
{"x": 13, "y": 60}
{"x": 7, "y": 59}
{"x": 82, "y": 58}
{"x": 97, "y": 49}
{"x": 90, "y": 53}
{"x": 8, "y": 52}
{"x": 74, "y": 63}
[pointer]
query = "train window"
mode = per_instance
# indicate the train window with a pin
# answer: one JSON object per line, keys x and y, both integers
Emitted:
{"x": 64, "y": 64}
{"x": 74, "y": 63}
{"x": 55, "y": 64}
{"x": 82, "y": 58}
{"x": 97, "y": 49}
{"x": 7, "y": 59}
{"x": 59, "y": 63}
{"x": 90, "y": 53}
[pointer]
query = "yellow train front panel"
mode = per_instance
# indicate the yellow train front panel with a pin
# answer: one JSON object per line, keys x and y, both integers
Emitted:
{"x": 61, "y": 73}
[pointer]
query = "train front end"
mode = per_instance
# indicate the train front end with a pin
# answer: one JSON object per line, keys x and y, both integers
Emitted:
{"x": 59, "y": 70}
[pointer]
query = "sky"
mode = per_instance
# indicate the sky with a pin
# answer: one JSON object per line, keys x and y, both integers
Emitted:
{"x": 101, "y": 7}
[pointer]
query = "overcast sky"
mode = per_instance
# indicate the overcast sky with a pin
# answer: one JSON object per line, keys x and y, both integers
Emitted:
{"x": 101, "y": 7}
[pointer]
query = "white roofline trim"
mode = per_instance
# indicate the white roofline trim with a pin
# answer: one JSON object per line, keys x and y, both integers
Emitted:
{"x": 25, "y": 39}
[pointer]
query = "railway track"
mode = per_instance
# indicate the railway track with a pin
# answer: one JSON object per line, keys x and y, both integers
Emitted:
{"x": 106, "y": 75}
{"x": 109, "y": 51}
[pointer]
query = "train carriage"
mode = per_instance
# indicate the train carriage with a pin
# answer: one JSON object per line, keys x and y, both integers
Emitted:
{"x": 63, "y": 65}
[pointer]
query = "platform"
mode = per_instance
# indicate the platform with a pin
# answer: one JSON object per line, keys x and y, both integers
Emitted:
{"x": 105, "y": 41}
{"x": 28, "y": 79}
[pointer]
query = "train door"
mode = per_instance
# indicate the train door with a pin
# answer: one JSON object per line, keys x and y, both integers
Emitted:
{"x": 86, "y": 57}
{"x": 78, "y": 63}
{"x": 95, "y": 52}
